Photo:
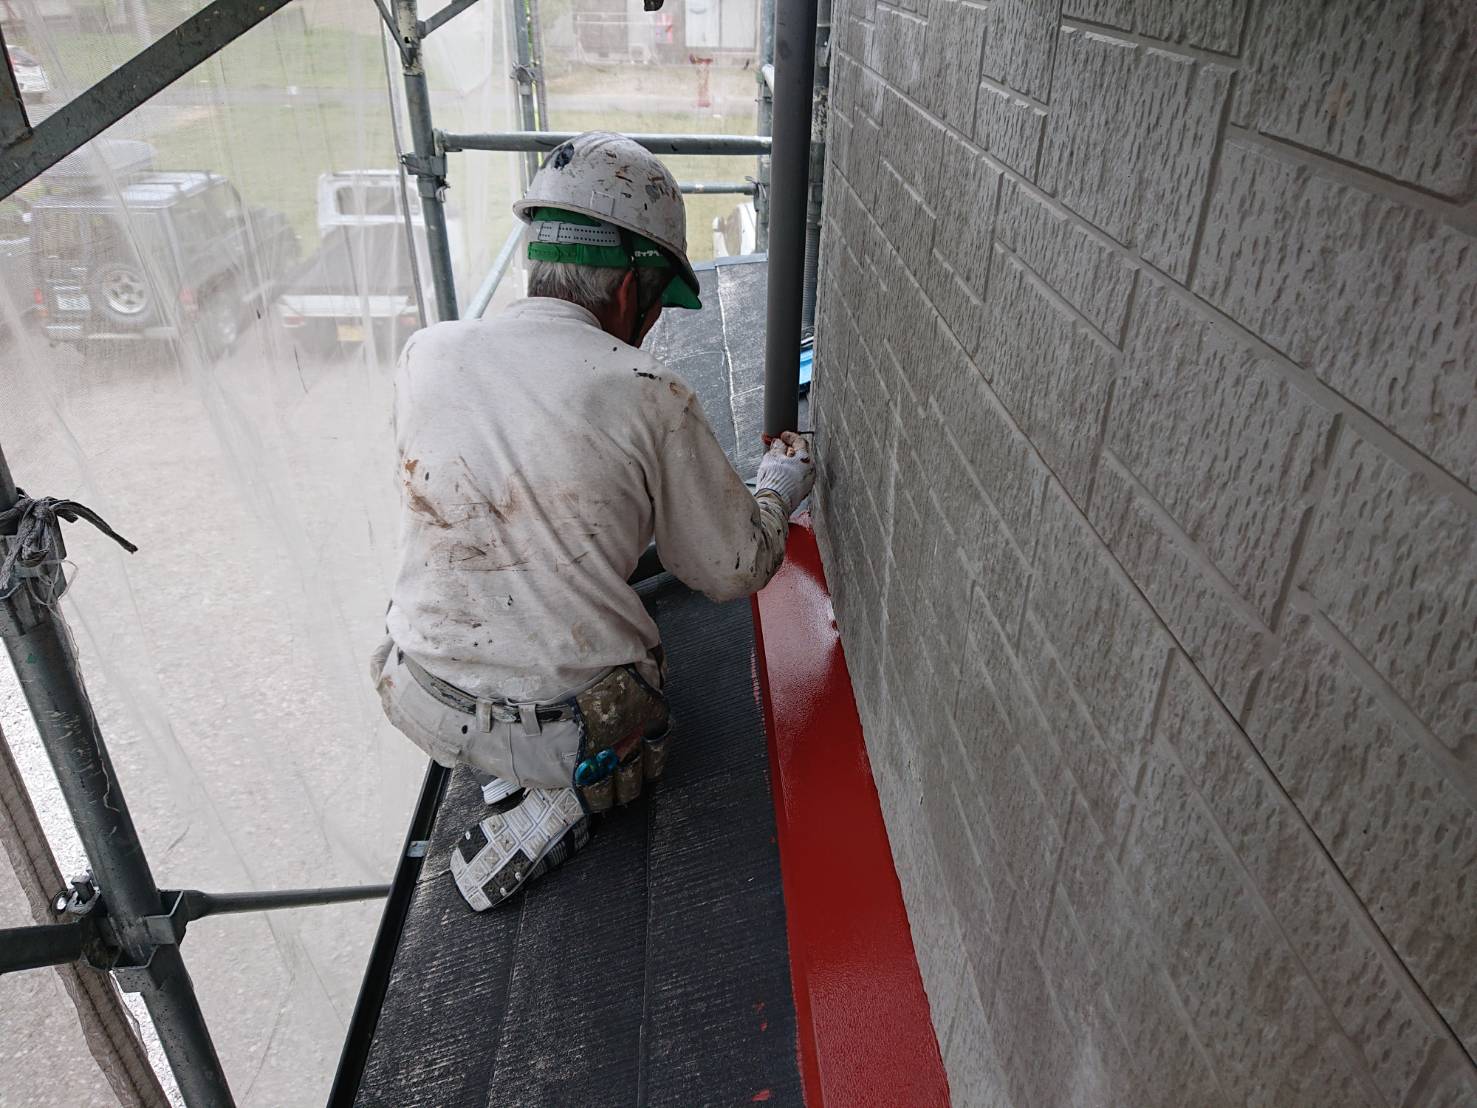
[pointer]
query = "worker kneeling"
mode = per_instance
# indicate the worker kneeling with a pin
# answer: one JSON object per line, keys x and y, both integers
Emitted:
{"x": 539, "y": 453}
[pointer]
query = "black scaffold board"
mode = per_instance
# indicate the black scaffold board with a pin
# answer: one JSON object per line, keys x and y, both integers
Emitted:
{"x": 653, "y": 968}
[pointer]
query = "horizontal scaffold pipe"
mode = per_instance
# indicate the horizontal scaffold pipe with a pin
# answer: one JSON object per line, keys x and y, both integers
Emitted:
{"x": 537, "y": 141}
{"x": 717, "y": 188}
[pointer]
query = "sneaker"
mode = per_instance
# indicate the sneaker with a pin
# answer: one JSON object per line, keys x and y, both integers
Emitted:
{"x": 495, "y": 789}
{"x": 506, "y": 850}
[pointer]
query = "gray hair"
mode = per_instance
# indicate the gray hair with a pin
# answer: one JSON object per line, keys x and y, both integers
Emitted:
{"x": 593, "y": 287}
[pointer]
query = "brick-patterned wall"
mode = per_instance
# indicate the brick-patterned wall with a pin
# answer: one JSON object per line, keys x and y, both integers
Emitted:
{"x": 1145, "y": 401}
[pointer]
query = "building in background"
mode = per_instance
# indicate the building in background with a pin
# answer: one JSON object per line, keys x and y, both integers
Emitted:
{"x": 726, "y": 31}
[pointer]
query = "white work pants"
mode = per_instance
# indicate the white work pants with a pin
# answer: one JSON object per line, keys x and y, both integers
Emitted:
{"x": 545, "y": 760}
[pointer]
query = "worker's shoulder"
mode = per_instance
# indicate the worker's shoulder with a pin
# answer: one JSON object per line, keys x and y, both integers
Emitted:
{"x": 440, "y": 337}
{"x": 582, "y": 360}
{"x": 642, "y": 372}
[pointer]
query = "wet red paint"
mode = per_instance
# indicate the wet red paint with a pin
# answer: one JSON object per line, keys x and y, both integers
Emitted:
{"x": 865, "y": 1033}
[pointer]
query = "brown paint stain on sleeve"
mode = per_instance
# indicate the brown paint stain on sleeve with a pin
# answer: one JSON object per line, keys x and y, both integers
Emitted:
{"x": 422, "y": 507}
{"x": 510, "y": 504}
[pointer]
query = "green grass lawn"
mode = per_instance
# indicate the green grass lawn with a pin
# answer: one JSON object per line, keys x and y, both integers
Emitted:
{"x": 275, "y": 54}
{"x": 583, "y": 78}
{"x": 274, "y": 152}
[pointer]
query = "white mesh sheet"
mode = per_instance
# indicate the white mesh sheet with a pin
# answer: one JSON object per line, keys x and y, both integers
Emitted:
{"x": 198, "y": 341}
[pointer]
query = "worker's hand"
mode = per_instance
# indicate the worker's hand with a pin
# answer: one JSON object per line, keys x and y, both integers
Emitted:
{"x": 787, "y": 469}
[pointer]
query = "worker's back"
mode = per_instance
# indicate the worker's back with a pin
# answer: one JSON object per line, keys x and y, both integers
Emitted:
{"x": 537, "y": 457}
{"x": 529, "y": 448}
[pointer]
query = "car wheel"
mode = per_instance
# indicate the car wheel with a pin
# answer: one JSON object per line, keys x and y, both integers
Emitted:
{"x": 124, "y": 296}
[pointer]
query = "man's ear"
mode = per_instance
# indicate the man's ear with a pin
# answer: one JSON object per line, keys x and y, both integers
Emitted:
{"x": 627, "y": 296}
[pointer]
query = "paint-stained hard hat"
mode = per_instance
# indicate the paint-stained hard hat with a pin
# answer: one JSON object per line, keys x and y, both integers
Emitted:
{"x": 611, "y": 178}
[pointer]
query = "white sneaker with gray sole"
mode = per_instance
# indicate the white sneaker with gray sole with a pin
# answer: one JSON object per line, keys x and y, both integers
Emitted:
{"x": 506, "y": 850}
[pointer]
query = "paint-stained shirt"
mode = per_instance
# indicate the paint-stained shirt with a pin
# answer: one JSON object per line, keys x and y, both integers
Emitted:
{"x": 537, "y": 458}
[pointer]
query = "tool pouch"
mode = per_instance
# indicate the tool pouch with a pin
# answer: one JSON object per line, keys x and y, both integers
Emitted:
{"x": 621, "y": 720}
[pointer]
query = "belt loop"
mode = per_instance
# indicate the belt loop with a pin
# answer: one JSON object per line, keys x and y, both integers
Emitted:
{"x": 484, "y": 715}
{"x": 528, "y": 713}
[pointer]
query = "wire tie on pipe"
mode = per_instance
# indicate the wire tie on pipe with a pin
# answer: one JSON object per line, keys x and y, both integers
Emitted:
{"x": 31, "y": 535}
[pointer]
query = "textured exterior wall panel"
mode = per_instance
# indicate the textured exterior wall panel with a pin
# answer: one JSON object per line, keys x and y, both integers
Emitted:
{"x": 1384, "y": 85}
{"x": 1221, "y": 441}
{"x": 966, "y": 212}
{"x": 1377, "y": 298}
{"x": 1009, "y": 128}
{"x": 1130, "y": 139}
{"x": 1018, "y": 44}
{"x": 951, "y": 62}
{"x": 1213, "y": 25}
{"x": 1085, "y": 272}
{"x": 1147, "y": 417}
{"x": 1326, "y": 924}
{"x": 1051, "y": 373}
{"x": 1338, "y": 750}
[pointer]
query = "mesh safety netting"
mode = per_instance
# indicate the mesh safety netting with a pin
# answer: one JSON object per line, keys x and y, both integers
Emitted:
{"x": 199, "y": 315}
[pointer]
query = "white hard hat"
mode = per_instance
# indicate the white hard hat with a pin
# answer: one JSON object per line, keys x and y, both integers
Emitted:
{"x": 611, "y": 178}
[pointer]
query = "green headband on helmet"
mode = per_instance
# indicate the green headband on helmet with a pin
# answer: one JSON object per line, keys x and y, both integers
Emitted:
{"x": 565, "y": 236}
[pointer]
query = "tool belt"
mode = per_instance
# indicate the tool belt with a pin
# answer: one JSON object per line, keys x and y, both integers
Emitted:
{"x": 623, "y": 722}
{"x": 488, "y": 709}
{"x": 624, "y": 729}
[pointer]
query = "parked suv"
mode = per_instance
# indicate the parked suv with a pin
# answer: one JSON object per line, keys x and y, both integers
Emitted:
{"x": 166, "y": 248}
{"x": 360, "y": 284}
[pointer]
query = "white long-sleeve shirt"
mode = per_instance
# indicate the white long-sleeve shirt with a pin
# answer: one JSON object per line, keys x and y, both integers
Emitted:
{"x": 537, "y": 458}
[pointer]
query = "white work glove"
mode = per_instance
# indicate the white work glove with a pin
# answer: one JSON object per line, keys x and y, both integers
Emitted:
{"x": 787, "y": 469}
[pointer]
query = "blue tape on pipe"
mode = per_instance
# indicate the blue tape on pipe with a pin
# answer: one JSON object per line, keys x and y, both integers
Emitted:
{"x": 805, "y": 359}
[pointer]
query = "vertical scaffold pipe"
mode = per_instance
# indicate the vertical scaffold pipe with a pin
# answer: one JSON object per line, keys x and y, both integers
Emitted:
{"x": 794, "y": 76}
{"x": 817, "y": 167}
{"x": 427, "y": 163}
{"x": 40, "y": 647}
{"x": 766, "y": 122}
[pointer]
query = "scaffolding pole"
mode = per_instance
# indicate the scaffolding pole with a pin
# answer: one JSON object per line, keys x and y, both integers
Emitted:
{"x": 40, "y": 647}
{"x": 488, "y": 289}
{"x": 524, "y": 78}
{"x": 107, "y": 1025}
{"x": 536, "y": 45}
{"x": 766, "y": 120}
{"x": 544, "y": 141}
{"x": 820, "y": 108}
{"x": 428, "y": 161}
{"x": 794, "y": 81}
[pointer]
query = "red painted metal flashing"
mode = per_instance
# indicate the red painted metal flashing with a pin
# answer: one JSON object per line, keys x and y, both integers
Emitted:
{"x": 865, "y": 1033}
